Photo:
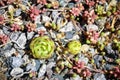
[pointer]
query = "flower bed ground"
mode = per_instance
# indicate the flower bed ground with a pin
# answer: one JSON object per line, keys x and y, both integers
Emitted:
{"x": 60, "y": 39}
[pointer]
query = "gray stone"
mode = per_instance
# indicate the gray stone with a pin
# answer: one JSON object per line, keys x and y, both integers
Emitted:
{"x": 16, "y": 62}
{"x": 69, "y": 35}
{"x": 63, "y": 3}
{"x": 49, "y": 73}
{"x": 30, "y": 67}
{"x": 45, "y": 18}
{"x": 71, "y": 5}
{"x": 6, "y": 30}
{"x": 76, "y": 78}
{"x": 37, "y": 19}
{"x": 17, "y": 12}
{"x": 68, "y": 27}
{"x": 26, "y": 59}
{"x": 30, "y": 35}
{"x": 37, "y": 62}
{"x": 14, "y": 36}
{"x": 2, "y": 11}
{"x": 92, "y": 27}
{"x": 7, "y": 47}
{"x": 21, "y": 41}
{"x": 50, "y": 65}
{"x": 10, "y": 52}
{"x": 57, "y": 77}
{"x": 42, "y": 71}
{"x": 83, "y": 58}
{"x": 21, "y": 51}
{"x": 1, "y": 31}
{"x": 16, "y": 72}
{"x": 99, "y": 76}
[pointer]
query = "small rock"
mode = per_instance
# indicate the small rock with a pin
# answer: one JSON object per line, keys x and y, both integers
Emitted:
{"x": 75, "y": 37}
{"x": 1, "y": 31}
{"x": 37, "y": 19}
{"x": 57, "y": 77}
{"x": 49, "y": 73}
{"x": 69, "y": 35}
{"x": 37, "y": 64}
{"x": 9, "y": 52}
{"x": 97, "y": 59}
{"x": 17, "y": 12}
{"x": 83, "y": 58}
{"x": 21, "y": 41}
{"x": 42, "y": 71}
{"x": 62, "y": 3}
{"x": 45, "y": 18}
{"x": 14, "y": 36}
{"x": 30, "y": 35}
{"x": 108, "y": 66}
{"x": 7, "y": 47}
{"x": 67, "y": 28}
{"x": 2, "y": 11}
{"x": 6, "y": 30}
{"x": 30, "y": 67}
{"x": 71, "y": 5}
{"x": 26, "y": 59}
{"x": 16, "y": 72}
{"x": 99, "y": 76}
{"x": 92, "y": 27}
{"x": 50, "y": 65}
{"x": 16, "y": 62}
{"x": 76, "y": 78}
{"x": 21, "y": 52}
{"x": 109, "y": 49}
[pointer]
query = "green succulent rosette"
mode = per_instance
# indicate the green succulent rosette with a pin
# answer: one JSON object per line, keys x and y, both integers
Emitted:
{"x": 42, "y": 47}
{"x": 74, "y": 47}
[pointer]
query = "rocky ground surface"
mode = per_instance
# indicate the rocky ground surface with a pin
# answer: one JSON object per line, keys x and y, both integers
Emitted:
{"x": 95, "y": 24}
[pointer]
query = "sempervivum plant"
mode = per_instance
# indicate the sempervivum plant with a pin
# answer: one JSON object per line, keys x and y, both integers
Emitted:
{"x": 74, "y": 47}
{"x": 42, "y": 47}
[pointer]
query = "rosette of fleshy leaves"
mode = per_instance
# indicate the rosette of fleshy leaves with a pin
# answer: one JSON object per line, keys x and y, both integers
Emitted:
{"x": 74, "y": 47}
{"x": 42, "y": 47}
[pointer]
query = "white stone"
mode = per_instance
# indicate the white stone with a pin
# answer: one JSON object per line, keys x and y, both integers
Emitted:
{"x": 92, "y": 27}
{"x": 16, "y": 72}
{"x": 42, "y": 70}
{"x": 30, "y": 35}
{"x": 21, "y": 41}
{"x": 9, "y": 53}
{"x": 14, "y": 36}
{"x": 45, "y": 18}
{"x": 68, "y": 27}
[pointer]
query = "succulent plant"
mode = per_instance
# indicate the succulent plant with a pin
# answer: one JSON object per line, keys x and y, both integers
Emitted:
{"x": 74, "y": 47}
{"x": 42, "y": 47}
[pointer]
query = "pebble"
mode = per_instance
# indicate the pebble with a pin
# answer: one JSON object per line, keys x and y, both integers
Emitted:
{"x": 30, "y": 35}
{"x": 92, "y": 27}
{"x": 9, "y": 52}
{"x": 67, "y": 28}
{"x": 99, "y": 76}
{"x": 14, "y": 36}
{"x": 21, "y": 41}
{"x": 30, "y": 67}
{"x": 16, "y": 72}
{"x": 76, "y": 78}
{"x": 42, "y": 70}
{"x": 16, "y": 62}
{"x": 83, "y": 58}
